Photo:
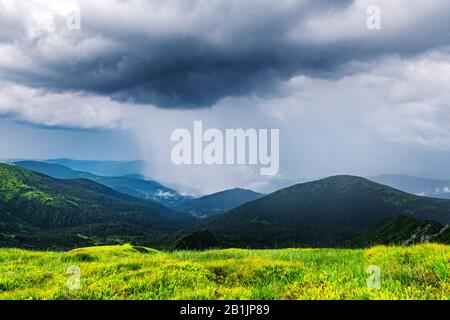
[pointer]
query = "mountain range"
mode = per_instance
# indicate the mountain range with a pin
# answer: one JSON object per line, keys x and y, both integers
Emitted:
{"x": 134, "y": 185}
{"x": 138, "y": 186}
{"x": 48, "y": 205}
{"x": 40, "y": 211}
{"x": 328, "y": 212}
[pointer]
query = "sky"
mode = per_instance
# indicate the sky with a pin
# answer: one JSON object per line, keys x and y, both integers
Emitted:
{"x": 113, "y": 79}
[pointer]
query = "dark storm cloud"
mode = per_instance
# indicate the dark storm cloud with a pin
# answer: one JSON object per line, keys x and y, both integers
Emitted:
{"x": 190, "y": 54}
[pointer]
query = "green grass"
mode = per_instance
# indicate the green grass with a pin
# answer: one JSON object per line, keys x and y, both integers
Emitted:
{"x": 129, "y": 272}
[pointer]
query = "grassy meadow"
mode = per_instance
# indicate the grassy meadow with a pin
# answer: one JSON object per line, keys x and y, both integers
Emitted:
{"x": 128, "y": 272}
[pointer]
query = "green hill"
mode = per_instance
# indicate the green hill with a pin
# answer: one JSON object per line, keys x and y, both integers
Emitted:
{"x": 133, "y": 185}
{"x": 402, "y": 230}
{"x": 137, "y": 186}
{"x": 38, "y": 211}
{"x": 322, "y": 213}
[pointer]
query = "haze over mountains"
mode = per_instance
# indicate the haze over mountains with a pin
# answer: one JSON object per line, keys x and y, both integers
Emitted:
{"x": 138, "y": 186}
{"x": 132, "y": 185}
{"x": 70, "y": 168}
{"x": 416, "y": 185}
{"x": 73, "y": 208}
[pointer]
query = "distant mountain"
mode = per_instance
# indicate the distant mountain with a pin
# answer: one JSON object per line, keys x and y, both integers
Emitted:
{"x": 38, "y": 211}
{"x": 418, "y": 186}
{"x": 327, "y": 212}
{"x": 402, "y": 230}
{"x": 133, "y": 185}
{"x": 137, "y": 186}
{"x": 53, "y": 170}
{"x": 103, "y": 168}
{"x": 213, "y": 204}
{"x": 143, "y": 189}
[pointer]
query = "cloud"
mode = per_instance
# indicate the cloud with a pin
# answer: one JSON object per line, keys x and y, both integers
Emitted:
{"x": 67, "y": 110}
{"x": 405, "y": 101}
{"x": 346, "y": 99}
{"x": 393, "y": 117}
{"x": 190, "y": 54}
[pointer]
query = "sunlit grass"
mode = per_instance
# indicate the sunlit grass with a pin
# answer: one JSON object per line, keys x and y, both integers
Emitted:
{"x": 129, "y": 272}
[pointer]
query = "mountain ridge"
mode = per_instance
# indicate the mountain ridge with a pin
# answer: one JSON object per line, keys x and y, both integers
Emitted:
{"x": 326, "y": 212}
{"x": 219, "y": 202}
{"x": 37, "y": 210}
{"x": 140, "y": 187}
{"x": 133, "y": 184}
